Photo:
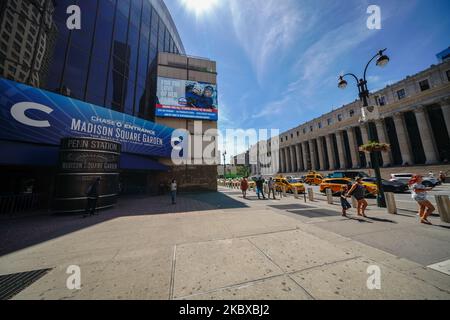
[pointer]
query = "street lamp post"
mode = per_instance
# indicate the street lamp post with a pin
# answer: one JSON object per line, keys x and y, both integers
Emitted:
{"x": 224, "y": 165}
{"x": 382, "y": 60}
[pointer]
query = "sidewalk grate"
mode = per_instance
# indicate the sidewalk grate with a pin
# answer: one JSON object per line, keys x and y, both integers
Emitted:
{"x": 316, "y": 213}
{"x": 291, "y": 206}
{"x": 12, "y": 284}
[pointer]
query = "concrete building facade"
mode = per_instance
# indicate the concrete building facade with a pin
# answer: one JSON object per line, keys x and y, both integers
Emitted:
{"x": 413, "y": 116}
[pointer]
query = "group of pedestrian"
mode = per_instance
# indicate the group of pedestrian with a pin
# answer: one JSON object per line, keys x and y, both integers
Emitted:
{"x": 259, "y": 181}
{"x": 358, "y": 192}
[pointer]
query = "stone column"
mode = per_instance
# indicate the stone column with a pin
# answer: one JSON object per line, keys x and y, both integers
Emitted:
{"x": 282, "y": 161}
{"x": 288, "y": 160}
{"x": 382, "y": 137}
{"x": 299, "y": 158}
{"x": 354, "y": 148}
{"x": 305, "y": 156}
{"x": 293, "y": 160}
{"x": 341, "y": 149}
{"x": 365, "y": 138}
{"x": 403, "y": 141}
{"x": 330, "y": 152}
{"x": 445, "y": 106}
{"x": 320, "y": 151}
{"x": 426, "y": 134}
{"x": 313, "y": 155}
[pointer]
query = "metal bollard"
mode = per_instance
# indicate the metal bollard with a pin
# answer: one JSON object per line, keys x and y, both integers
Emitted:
{"x": 295, "y": 193}
{"x": 443, "y": 206}
{"x": 311, "y": 194}
{"x": 390, "y": 203}
{"x": 283, "y": 189}
{"x": 330, "y": 196}
{"x": 266, "y": 189}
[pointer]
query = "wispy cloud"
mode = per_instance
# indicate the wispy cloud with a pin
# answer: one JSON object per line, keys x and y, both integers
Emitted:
{"x": 265, "y": 29}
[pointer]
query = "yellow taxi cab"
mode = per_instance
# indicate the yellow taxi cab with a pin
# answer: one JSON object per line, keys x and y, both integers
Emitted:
{"x": 290, "y": 185}
{"x": 313, "y": 178}
{"x": 335, "y": 185}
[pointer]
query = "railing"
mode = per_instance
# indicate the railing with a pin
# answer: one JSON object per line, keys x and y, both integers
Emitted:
{"x": 11, "y": 204}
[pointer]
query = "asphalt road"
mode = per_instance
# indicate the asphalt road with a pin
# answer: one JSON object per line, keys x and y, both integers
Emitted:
{"x": 404, "y": 200}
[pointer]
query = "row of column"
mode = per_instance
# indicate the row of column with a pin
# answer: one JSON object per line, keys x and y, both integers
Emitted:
{"x": 302, "y": 157}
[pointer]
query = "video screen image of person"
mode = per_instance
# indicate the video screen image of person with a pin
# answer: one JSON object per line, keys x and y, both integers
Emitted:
{"x": 198, "y": 97}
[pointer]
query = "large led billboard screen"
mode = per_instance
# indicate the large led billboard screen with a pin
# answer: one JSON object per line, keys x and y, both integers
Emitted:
{"x": 186, "y": 99}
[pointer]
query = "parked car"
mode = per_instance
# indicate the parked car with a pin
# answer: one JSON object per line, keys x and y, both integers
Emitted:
{"x": 313, "y": 179}
{"x": 289, "y": 184}
{"x": 348, "y": 174}
{"x": 335, "y": 185}
{"x": 389, "y": 186}
{"x": 428, "y": 182}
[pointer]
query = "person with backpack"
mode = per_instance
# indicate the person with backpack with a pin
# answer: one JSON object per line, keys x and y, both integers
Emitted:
{"x": 260, "y": 187}
{"x": 244, "y": 187}
{"x": 271, "y": 185}
{"x": 358, "y": 191}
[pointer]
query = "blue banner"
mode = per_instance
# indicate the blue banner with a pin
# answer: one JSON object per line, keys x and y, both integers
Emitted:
{"x": 33, "y": 115}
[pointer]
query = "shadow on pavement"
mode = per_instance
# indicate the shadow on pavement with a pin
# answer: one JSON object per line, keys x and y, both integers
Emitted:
{"x": 18, "y": 233}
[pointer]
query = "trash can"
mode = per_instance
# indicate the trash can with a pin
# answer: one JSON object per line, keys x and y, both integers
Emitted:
{"x": 443, "y": 206}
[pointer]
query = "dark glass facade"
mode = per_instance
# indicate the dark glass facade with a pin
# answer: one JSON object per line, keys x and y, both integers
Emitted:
{"x": 108, "y": 62}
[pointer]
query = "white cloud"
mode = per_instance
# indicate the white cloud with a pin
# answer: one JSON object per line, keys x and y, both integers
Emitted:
{"x": 265, "y": 29}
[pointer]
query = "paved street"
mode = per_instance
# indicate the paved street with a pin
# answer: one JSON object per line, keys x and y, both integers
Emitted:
{"x": 220, "y": 246}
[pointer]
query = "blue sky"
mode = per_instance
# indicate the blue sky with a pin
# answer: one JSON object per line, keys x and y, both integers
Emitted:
{"x": 278, "y": 60}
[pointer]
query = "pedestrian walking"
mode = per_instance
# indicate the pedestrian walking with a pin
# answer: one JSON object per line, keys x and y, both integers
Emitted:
{"x": 358, "y": 191}
{"x": 260, "y": 187}
{"x": 92, "y": 197}
{"x": 419, "y": 194}
{"x": 344, "y": 203}
{"x": 271, "y": 185}
{"x": 244, "y": 187}
{"x": 173, "y": 191}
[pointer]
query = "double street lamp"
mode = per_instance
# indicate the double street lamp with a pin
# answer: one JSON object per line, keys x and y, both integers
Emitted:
{"x": 382, "y": 60}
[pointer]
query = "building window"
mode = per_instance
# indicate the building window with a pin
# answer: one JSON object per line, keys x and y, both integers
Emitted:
{"x": 448, "y": 75}
{"x": 298, "y": 133}
{"x": 319, "y": 125}
{"x": 401, "y": 94}
{"x": 311, "y": 128}
{"x": 304, "y": 131}
{"x": 281, "y": 139}
{"x": 424, "y": 85}
{"x": 382, "y": 101}
{"x": 339, "y": 117}
{"x": 292, "y": 136}
{"x": 329, "y": 121}
{"x": 352, "y": 113}
{"x": 286, "y": 138}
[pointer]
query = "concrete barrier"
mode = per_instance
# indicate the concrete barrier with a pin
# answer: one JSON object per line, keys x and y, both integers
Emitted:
{"x": 311, "y": 194}
{"x": 283, "y": 189}
{"x": 295, "y": 193}
{"x": 390, "y": 202}
{"x": 330, "y": 196}
{"x": 443, "y": 206}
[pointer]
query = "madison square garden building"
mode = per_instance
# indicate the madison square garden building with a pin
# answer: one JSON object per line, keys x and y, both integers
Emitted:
{"x": 99, "y": 101}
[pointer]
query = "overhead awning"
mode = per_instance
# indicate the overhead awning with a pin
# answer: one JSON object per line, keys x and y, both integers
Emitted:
{"x": 27, "y": 154}
{"x": 134, "y": 162}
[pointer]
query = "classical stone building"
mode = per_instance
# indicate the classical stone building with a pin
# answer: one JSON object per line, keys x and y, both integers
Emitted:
{"x": 413, "y": 116}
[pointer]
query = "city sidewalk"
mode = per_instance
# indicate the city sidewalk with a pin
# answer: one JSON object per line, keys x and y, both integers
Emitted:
{"x": 220, "y": 246}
